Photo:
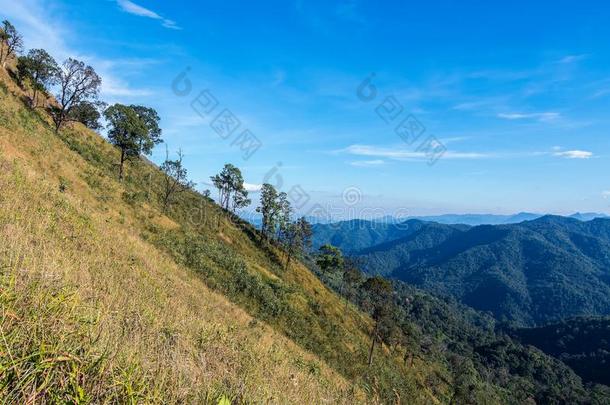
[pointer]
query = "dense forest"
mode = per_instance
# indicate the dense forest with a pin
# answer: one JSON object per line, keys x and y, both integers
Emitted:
{"x": 581, "y": 343}
{"x": 524, "y": 274}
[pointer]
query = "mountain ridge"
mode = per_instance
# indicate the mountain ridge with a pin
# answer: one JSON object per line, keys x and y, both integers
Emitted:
{"x": 529, "y": 273}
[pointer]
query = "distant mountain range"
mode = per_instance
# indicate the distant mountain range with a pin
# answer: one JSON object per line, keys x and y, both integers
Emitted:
{"x": 490, "y": 219}
{"x": 450, "y": 219}
{"x": 529, "y": 273}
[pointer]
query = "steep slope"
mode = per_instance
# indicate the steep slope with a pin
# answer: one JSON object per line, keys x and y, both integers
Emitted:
{"x": 90, "y": 311}
{"x": 106, "y": 298}
{"x": 72, "y": 296}
{"x": 144, "y": 324}
{"x": 529, "y": 273}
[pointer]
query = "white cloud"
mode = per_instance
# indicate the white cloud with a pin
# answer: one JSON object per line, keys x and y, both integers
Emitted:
{"x": 454, "y": 139}
{"x": 606, "y": 194}
{"x": 468, "y": 106}
{"x": 42, "y": 29}
{"x": 367, "y": 163}
{"x": 543, "y": 116}
{"x": 135, "y": 9}
{"x": 253, "y": 187}
{"x": 36, "y": 26}
{"x": 574, "y": 154}
{"x": 571, "y": 59}
{"x": 401, "y": 154}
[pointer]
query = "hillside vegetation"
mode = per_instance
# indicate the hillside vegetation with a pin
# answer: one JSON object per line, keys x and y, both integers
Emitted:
{"x": 132, "y": 315}
{"x": 581, "y": 343}
{"x": 92, "y": 312}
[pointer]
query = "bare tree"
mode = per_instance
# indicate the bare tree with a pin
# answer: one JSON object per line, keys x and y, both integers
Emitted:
{"x": 175, "y": 180}
{"x": 11, "y": 42}
{"x": 77, "y": 83}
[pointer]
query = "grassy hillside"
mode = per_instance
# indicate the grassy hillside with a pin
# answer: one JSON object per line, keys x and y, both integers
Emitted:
{"x": 103, "y": 296}
{"x": 91, "y": 311}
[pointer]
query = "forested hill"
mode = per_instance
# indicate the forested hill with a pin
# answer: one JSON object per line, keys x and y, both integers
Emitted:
{"x": 355, "y": 235}
{"x": 528, "y": 273}
{"x": 581, "y": 343}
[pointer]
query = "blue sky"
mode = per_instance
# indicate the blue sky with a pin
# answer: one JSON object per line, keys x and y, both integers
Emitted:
{"x": 516, "y": 95}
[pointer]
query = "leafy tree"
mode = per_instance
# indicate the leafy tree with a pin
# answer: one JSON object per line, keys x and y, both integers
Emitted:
{"x": 380, "y": 294}
{"x": 132, "y": 132}
{"x": 151, "y": 119}
{"x": 284, "y": 212}
{"x": 231, "y": 191}
{"x": 330, "y": 259}
{"x": 77, "y": 83}
{"x": 269, "y": 209}
{"x": 240, "y": 199}
{"x": 297, "y": 238}
{"x": 352, "y": 278}
{"x": 175, "y": 180}
{"x": 88, "y": 114}
{"x": 464, "y": 382}
{"x": 40, "y": 69}
{"x": 11, "y": 42}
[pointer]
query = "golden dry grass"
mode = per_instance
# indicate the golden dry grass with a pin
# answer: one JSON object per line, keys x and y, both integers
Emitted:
{"x": 160, "y": 329}
{"x": 78, "y": 286}
{"x": 138, "y": 326}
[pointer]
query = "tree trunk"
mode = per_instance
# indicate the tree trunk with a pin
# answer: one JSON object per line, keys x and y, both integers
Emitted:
{"x": 371, "y": 351}
{"x": 289, "y": 256}
{"x": 58, "y": 120}
{"x": 121, "y": 165}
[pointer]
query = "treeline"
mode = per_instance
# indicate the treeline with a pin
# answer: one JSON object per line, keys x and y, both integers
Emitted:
{"x": 133, "y": 129}
{"x": 278, "y": 225}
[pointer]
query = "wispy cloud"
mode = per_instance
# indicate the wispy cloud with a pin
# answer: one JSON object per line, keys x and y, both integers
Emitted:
{"x": 572, "y": 59}
{"x": 401, "y": 154}
{"x": 574, "y": 154}
{"x": 42, "y": 29}
{"x": 606, "y": 194}
{"x": 135, "y": 9}
{"x": 454, "y": 139}
{"x": 252, "y": 187}
{"x": 368, "y": 163}
{"x": 541, "y": 116}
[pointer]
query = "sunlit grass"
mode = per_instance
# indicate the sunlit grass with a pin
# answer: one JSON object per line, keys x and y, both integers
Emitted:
{"x": 117, "y": 296}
